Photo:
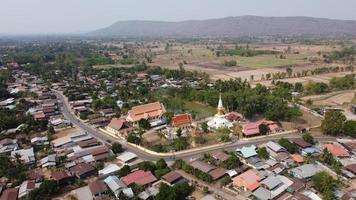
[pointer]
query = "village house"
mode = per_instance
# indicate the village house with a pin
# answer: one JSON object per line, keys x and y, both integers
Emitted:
{"x": 153, "y": 112}
{"x": 27, "y": 156}
{"x": 173, "y": 177}
{"x": 26, "y": 187}
{"x": 97, "y": 188}
{"x": 8, "y": 145}
{"x": 83, "y": 170}
{"x": 337, "y": 151}
{"x": 248, "y": 181}
{"x": 117, "y": 126}
{"x": 247, "y": 151}
{"x": 306, "y": 171}
{"x": 48, "y": 161}
{"x": 63, "y": 177}
{"x": 272, "y": 187}
{"x": 9, "y": 194}
{"x": 115, "y": 184}
{"x": 202, "y": 166}
{"x": 139, "y": 177}
{"x": 108, "y": 170}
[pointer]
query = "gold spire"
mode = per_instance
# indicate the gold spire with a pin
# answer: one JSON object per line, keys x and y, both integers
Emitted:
{"x": 221, "y": 110}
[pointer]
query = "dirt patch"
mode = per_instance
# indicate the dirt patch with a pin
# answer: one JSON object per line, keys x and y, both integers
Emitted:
{"x": 66, "y": 131}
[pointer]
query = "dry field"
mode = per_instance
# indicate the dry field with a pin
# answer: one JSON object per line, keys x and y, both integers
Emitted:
{"x": 201, "y": 58}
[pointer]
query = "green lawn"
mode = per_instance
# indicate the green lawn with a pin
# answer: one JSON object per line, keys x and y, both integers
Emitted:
{"x": 201, "y": 111}
{"x": 269, "y": 61}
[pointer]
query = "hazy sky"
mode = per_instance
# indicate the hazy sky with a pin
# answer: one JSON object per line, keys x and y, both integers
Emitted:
{"x": 73, "y": 16}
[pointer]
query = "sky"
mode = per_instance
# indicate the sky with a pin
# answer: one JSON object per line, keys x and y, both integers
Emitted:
{"x": 78, "y": 16}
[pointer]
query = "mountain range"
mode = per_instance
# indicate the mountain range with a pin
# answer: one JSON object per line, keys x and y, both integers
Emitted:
{"x": 231, "y": 27}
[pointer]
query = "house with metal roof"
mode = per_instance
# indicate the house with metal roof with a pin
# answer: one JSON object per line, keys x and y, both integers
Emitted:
{"x": 305, "y": 171}
{"x": 247, "y": 151}
{"x": 115, "y": 184}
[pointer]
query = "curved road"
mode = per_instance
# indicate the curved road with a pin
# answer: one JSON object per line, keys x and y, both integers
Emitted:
{"x": 66, "y": 111}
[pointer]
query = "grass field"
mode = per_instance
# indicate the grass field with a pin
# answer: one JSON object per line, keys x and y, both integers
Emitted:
{"x": 269, "y": 61}
{"x": 201, "y": 111}
{"x": 111, "y": 66}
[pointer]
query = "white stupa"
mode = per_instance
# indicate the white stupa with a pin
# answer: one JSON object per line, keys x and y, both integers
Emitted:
{"x": 219, "y": 120}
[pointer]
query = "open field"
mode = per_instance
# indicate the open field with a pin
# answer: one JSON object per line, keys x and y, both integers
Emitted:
{"x": 332, "y": 99}
{"x": 270, "y": 61}
{"x": 201, "y": 111}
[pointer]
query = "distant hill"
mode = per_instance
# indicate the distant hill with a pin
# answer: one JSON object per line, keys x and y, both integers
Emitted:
{"x": 231, "y": 27}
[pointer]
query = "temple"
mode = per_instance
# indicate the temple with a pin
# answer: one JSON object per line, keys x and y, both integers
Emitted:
{"x": 219, "y": 120}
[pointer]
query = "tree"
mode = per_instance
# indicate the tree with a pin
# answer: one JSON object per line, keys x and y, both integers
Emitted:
{"x": 116, "y": 148}
{"x": 308, "y": 138}
{"x": 225, "y": 137}
{"x": 147, "y": 166}
{"x": 205, "y": 127}
{"x": 263, "y": 128}
{"x": 325, "y": 184}
{"x": 289, "y": 71}
{"x": 205, "y": 189}
{"x": 50, "y": 132}
{"x": 165, "y": 193}
{"x": 263, "y": 153}
{"x": 232, "y": 162}
{"x": 226, "y": 180}
{"x": 161, "y": 164}
{"x": 291, "y": 147}
{"x": 179, "y": 132}
{"x": 144, "y": 124}
{"x": 125, "y": 170}
{"x": 350, "y": 128}
{"x": 133, "y": 138}
{"x": 46, "y": 189}
{"x": 333, "y": 123}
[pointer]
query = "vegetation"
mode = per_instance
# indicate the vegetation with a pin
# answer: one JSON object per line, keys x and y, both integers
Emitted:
{"x": 329, "y": 159}
{"x": 263, "y": 128}
{"x": 308, "y": 138}
{"x": 263, "y": 153}
{"x": 325, "y": 184}
{"x": 291, "y": 147}
{"x": 180, "y": 164}
{"x": 178, "y": 192}
{"x": 231, "y": 163}
{"x": 116, "y": 148}
{"x": 125, "y": 170}
{"x": 45, "y": 191}
{"x": 333, "y": 123}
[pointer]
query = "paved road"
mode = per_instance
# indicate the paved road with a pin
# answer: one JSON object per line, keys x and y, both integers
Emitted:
{"x": 148, "y": 156}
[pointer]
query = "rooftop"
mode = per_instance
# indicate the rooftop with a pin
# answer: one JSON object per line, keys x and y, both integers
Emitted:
{"x": 337, "y": 150}
{"x": 139, "y": 177}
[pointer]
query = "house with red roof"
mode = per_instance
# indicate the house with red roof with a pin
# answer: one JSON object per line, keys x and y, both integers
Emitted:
{"x": 252, "y": 128}
{"x": 337, "y": 150}
{"x": 9, "y": 194}
{"x": 139, "y": 177}
{"x": 248, "y": 181}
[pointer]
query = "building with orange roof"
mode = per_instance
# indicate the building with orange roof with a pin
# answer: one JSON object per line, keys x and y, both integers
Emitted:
{"x": 151, "y": 112}
{"x": 182, "y": 121}
{"x": 337, "y": 150}
{"x": 297, "y": 158}
{"x": 248, "y": 180}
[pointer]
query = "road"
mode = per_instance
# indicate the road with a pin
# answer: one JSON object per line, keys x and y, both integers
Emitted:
{"x": 148, "y": 156}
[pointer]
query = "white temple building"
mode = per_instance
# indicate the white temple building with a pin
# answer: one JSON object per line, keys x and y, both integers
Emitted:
{"x": 219, "y": 120}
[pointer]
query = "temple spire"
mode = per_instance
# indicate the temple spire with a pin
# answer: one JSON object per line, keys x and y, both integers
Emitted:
{"x": 221, "y": 110}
